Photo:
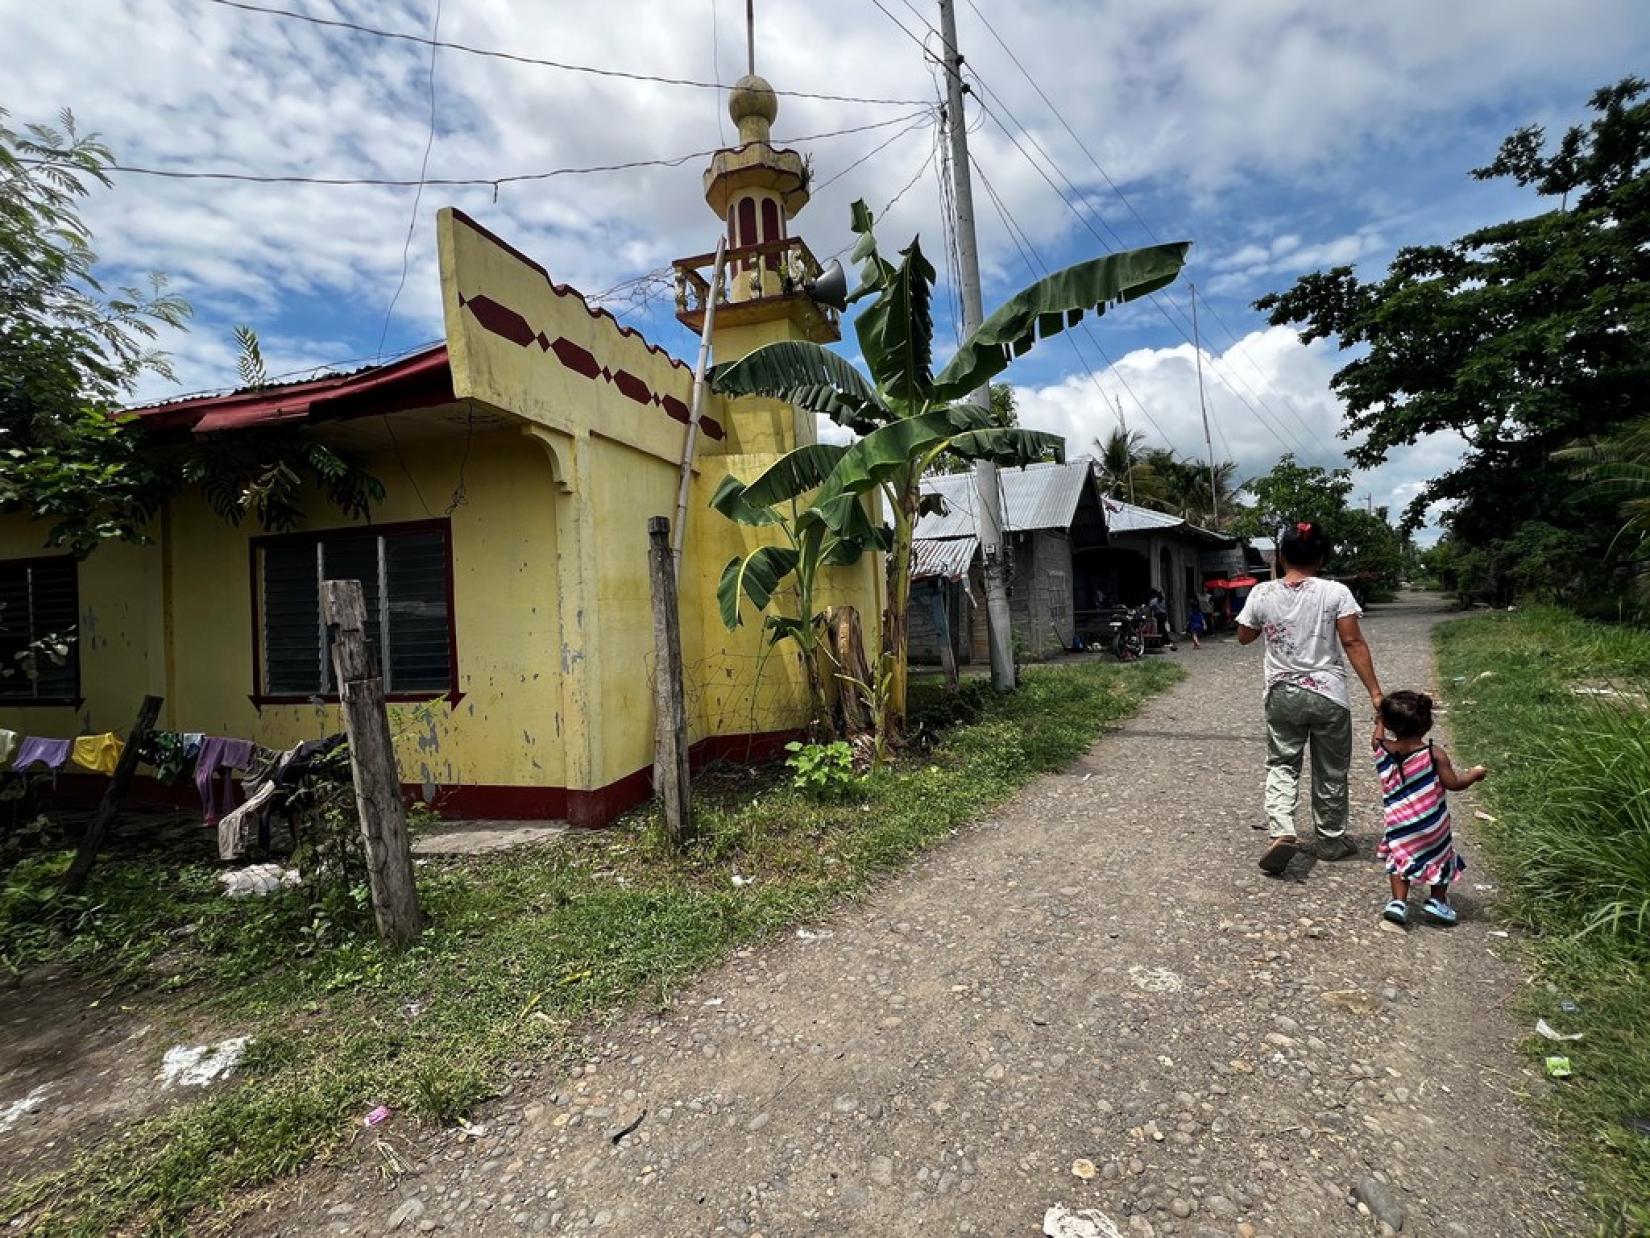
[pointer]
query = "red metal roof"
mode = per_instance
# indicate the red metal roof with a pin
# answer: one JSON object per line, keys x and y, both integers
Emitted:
{"x": 419, "y": 381}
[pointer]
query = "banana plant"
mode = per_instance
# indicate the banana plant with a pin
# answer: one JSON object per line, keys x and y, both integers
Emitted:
{"x": 811, "y": 542}
{"x": 907, "y": 414}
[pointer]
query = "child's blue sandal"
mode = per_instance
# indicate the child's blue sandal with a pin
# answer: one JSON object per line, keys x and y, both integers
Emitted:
{"x": 1440, "y": 912}
{"x": 1397, "y": 911}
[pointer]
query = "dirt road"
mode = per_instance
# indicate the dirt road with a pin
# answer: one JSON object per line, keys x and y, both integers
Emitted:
{"x": 1097, "y": 981}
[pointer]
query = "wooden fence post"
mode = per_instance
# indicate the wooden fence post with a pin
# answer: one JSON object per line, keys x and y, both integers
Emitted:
{"x": 372, "y": 762}
{"x": 113, "y": 795}
{"x": 670, "y": 762}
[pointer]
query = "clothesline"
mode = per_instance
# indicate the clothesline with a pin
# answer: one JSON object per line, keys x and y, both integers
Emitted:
{"x": 212, "y": 760}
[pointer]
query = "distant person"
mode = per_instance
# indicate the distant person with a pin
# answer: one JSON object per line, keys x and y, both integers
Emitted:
{"x": 1159, "y": 607}
{"x": 1309, "y": 624}
{"x": 1417, "y": 844}
{"x": 1194, "y": 628}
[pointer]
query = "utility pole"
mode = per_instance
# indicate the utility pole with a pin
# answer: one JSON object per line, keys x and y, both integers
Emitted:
{"x": 1203, "y": 407}
{"x": 750, "y": 36}
{"x": 991, "y": 517}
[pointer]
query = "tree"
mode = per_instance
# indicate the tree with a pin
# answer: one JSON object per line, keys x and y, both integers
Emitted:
{"x": 1182, "y": 487}
{"x": 1522, "y": 337}
{"x": 811, "y": 543}
{"x": 72, "y": 353}
{"x": 1367, "y": 549}
{"x": 907, "y": 414}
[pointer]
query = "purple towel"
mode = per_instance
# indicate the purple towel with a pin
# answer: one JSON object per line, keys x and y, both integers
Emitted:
{"x": 218, "y": 753}
{"x": 51, "y": 753}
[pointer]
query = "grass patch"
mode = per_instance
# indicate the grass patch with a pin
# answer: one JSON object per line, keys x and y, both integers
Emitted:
{"x": 520, "y": 948}
{"x": 1570, "y": 787}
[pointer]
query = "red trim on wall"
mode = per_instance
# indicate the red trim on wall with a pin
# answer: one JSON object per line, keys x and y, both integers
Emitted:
{"x": 480, "y": 801}
{"x": 565, "y": 290}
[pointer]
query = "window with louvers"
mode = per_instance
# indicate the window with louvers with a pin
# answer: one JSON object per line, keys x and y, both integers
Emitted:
{"x": 403, "y": 579}
{"x": 39, "y": 601}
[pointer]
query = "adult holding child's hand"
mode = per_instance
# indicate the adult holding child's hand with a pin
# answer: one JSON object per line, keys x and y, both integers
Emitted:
{"x": 1312, "y": 632}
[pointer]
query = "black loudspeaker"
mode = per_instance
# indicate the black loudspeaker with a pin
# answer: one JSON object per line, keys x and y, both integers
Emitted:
{"x": 831, "y": 288}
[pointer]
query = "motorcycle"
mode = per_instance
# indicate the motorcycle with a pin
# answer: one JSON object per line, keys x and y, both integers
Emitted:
{"x": 1127, "y": 633}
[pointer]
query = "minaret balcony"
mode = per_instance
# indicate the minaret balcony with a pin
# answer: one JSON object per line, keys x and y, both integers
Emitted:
{"x": 762, "y": 283}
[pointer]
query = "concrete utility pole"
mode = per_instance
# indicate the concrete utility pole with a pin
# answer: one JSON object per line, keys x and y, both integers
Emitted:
{"x": 1203, "y": 407}
{"x": 990, "y": 509}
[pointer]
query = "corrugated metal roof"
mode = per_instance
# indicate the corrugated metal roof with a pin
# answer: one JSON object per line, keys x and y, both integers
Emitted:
{"x": 946, "y": 557}
{"x": 1124, "y": 517}
{"x": 1039, "y": 496}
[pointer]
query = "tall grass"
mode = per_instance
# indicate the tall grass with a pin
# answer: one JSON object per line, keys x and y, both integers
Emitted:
{"x": 1559, "y": 708}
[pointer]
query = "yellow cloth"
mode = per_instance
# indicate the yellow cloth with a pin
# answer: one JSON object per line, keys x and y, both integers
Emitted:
{"x": 98, "y": 753}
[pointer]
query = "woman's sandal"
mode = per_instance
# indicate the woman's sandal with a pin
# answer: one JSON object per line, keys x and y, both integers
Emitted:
{"x": 1278, "y": 855}
{"x": 1397, "y": 911}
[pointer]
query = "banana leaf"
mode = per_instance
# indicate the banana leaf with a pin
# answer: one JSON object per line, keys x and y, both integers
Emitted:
{"x": 896, "y": 331}
{"x": 756, "y": 576}
{"x": 1051, "y": 305}
{"x": 1010, "y": 447}
{"x": 805, "y": 375}
{"x": 730, "y": 500}
{"x": 879, "y": 456}
{"x": 794, "y": 474}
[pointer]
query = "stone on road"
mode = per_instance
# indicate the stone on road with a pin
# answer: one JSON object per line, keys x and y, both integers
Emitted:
{"x": 1096, "y": 976}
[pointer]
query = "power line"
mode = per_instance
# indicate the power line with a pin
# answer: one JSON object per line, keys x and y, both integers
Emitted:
{"x": 1138, "y": 218}
{"x": 1272, "y": 423}
{"x": 1237, "y": 347}
{"x": 871, "y": 154}
{"x": 1081, "y": 217}
{"x": 467, "y": 181}
{"x": 1013, "y": 226}
{"x": 539, "y": 62}
{"x": 1035, "y": 85}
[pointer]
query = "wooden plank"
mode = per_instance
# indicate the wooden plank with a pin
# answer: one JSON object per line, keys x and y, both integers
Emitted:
{"x": 114, "y": 795}
{"x": 372, "y": 762}
{"x": 670, "y": 765}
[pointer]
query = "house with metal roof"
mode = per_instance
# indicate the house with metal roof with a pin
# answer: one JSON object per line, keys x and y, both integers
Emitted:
{"x": 505, "y": 565}
{"x": 1074, "y": 551}
{"x": 1051, "y": 520}
{"x": 1148, "y": 549}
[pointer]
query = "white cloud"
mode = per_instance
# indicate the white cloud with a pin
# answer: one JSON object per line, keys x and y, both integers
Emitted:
{"x": 1182, "y": 101}
{"x": 1278, "y": 400}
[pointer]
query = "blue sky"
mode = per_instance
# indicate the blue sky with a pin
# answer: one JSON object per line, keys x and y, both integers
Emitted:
{"x": 1278, "y": 135}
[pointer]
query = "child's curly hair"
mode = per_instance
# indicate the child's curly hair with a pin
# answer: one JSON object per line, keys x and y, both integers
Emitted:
{"x": 1407, "y": 715}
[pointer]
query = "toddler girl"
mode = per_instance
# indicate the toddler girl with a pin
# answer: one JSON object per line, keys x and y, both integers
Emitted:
{"x": 1417, "y": 844}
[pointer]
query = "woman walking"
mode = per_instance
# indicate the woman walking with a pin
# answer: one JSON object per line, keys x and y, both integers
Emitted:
{"x": 1312, "y": 632}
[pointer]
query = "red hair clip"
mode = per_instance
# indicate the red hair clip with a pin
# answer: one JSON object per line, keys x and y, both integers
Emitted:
{"x": 1304, "y": 527}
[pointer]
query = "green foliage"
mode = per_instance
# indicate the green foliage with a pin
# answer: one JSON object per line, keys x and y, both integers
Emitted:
{"x": 522, "y": 951}
{"x": 824, "y": 770}
{"x": 1004, "y": 416}
{"x": 1524, "y": 337}
{"x": 1368, "y": 551}
{"x": 250, "y": 359}
{"x": 72, "y": 353}
{"x": 1570, "y": 794}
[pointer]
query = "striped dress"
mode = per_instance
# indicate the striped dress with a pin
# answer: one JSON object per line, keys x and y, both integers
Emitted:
{"x": 1417, "y": 844}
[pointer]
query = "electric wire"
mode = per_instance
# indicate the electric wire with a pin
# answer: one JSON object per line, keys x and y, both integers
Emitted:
{"x": 1145, "y": 226}
{"x": 1284, "y": 438}
{"x": 536, "y": 61}
{"x": 493, "y": 182}
{"x": 1034, "y": 267}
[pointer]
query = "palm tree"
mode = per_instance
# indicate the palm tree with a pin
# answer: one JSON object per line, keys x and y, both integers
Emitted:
{"x": 907, "y": 414}
{"x": 1618, "y": 468}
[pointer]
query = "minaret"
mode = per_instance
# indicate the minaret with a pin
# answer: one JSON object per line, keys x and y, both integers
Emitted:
{"x": 755, "y": 191}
